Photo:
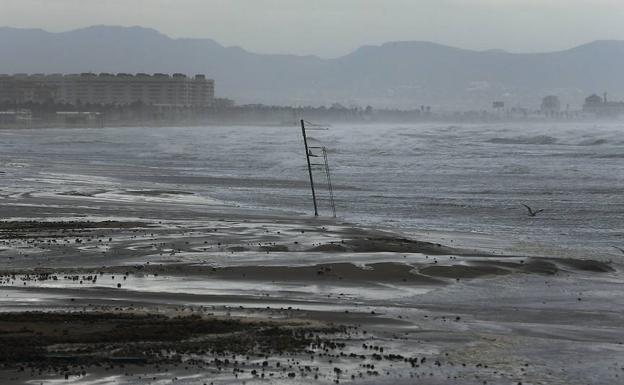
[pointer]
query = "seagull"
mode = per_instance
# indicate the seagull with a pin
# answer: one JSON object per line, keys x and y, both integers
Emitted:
{"x": 531, "y": 212}
{"x": 619, "y": 248}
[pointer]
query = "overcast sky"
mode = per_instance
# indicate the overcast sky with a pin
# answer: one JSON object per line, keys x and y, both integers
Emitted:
{"x": 332, "y": 28}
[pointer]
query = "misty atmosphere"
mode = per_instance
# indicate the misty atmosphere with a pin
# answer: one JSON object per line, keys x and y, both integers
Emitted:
{"x": 286, "y": 192}
{"x": 391, "y": 75}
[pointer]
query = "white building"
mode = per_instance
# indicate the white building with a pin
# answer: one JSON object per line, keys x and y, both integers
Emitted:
{"x": 176, "y": 90}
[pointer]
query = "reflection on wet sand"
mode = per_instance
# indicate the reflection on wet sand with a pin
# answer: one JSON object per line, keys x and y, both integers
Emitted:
{"x": 350, "y": 305}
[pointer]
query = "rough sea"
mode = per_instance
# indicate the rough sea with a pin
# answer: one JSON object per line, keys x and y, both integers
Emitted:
{"x": 459, "y": 184}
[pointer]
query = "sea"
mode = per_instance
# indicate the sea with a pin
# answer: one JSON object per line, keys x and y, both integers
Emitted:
{"x": 459, "y": 184}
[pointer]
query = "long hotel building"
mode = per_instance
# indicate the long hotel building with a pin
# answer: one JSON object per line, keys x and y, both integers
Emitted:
{"x": 177, "y": 90}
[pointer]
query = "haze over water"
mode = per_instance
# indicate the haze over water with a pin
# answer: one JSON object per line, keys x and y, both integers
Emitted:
{"x": 463, "y": 183}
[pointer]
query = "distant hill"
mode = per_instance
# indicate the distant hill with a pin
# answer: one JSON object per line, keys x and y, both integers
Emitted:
{"x": 402, "y": 74}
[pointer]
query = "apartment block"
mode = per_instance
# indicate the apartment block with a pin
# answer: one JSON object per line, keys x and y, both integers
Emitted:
{"x": 177, "y": 90}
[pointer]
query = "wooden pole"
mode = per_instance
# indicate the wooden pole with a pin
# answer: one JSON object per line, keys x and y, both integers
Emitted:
{"x": 305, "y": 142}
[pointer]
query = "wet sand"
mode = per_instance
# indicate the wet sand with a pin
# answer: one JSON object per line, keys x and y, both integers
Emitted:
{"x": 131, "y": 291}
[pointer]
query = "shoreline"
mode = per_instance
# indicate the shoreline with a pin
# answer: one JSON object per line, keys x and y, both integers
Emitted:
{"x": 494, "y": 120}
{"x": 375, "y": 284}
{"x": 118, "y": 238}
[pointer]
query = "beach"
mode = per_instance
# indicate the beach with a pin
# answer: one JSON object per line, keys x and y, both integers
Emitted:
{"x": 181, "y": 270}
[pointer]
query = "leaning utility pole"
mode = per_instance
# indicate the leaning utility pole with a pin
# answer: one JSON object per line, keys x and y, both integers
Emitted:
{"x": 307, "y": 150}
{"x": 322, "y": 165}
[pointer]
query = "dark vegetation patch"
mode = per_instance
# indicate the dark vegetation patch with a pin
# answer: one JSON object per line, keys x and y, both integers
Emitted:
{"x": 54, "y": 339}
{"x": 383, "y": 272}
{"x": 537, "y": 266}
{"x": 59, "y": 230}
{"x": 387, "y": 245}
{"x": 329, "y": 248}
{"x": 66, "y": 225}
{"x": 586, "y": 265}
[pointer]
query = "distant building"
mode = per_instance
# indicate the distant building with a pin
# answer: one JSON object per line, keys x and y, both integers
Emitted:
{"x": 601, "y": 106}
{"x": 19, "y": 117}
{"x": 22, "y": 88}
{"x": 175, "y": 90}
{"x": 551, "y": 104}
{"x": 81, "y": 118}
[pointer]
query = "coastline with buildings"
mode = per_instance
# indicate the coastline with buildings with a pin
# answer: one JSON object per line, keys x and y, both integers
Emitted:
{"x": 177, "y": 90}
{"x": 105, "y": 99}
{"x": 89, "y": 99}
{"x": 603, "y": 107}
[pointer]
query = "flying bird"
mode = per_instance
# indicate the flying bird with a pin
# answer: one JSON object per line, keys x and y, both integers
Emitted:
{"x": 532, "y": 213}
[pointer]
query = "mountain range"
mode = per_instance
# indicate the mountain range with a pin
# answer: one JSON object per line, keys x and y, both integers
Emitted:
{"x": 395, "y": 74}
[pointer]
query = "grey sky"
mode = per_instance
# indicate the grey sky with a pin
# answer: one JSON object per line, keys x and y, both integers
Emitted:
{"x": 335, "y": 27}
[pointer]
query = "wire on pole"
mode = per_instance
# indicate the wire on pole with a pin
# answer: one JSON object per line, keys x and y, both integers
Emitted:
{"x": 324, "y": 165}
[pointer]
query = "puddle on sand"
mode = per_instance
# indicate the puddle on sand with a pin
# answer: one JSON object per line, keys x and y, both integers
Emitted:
{"x": 304, "y": 291}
